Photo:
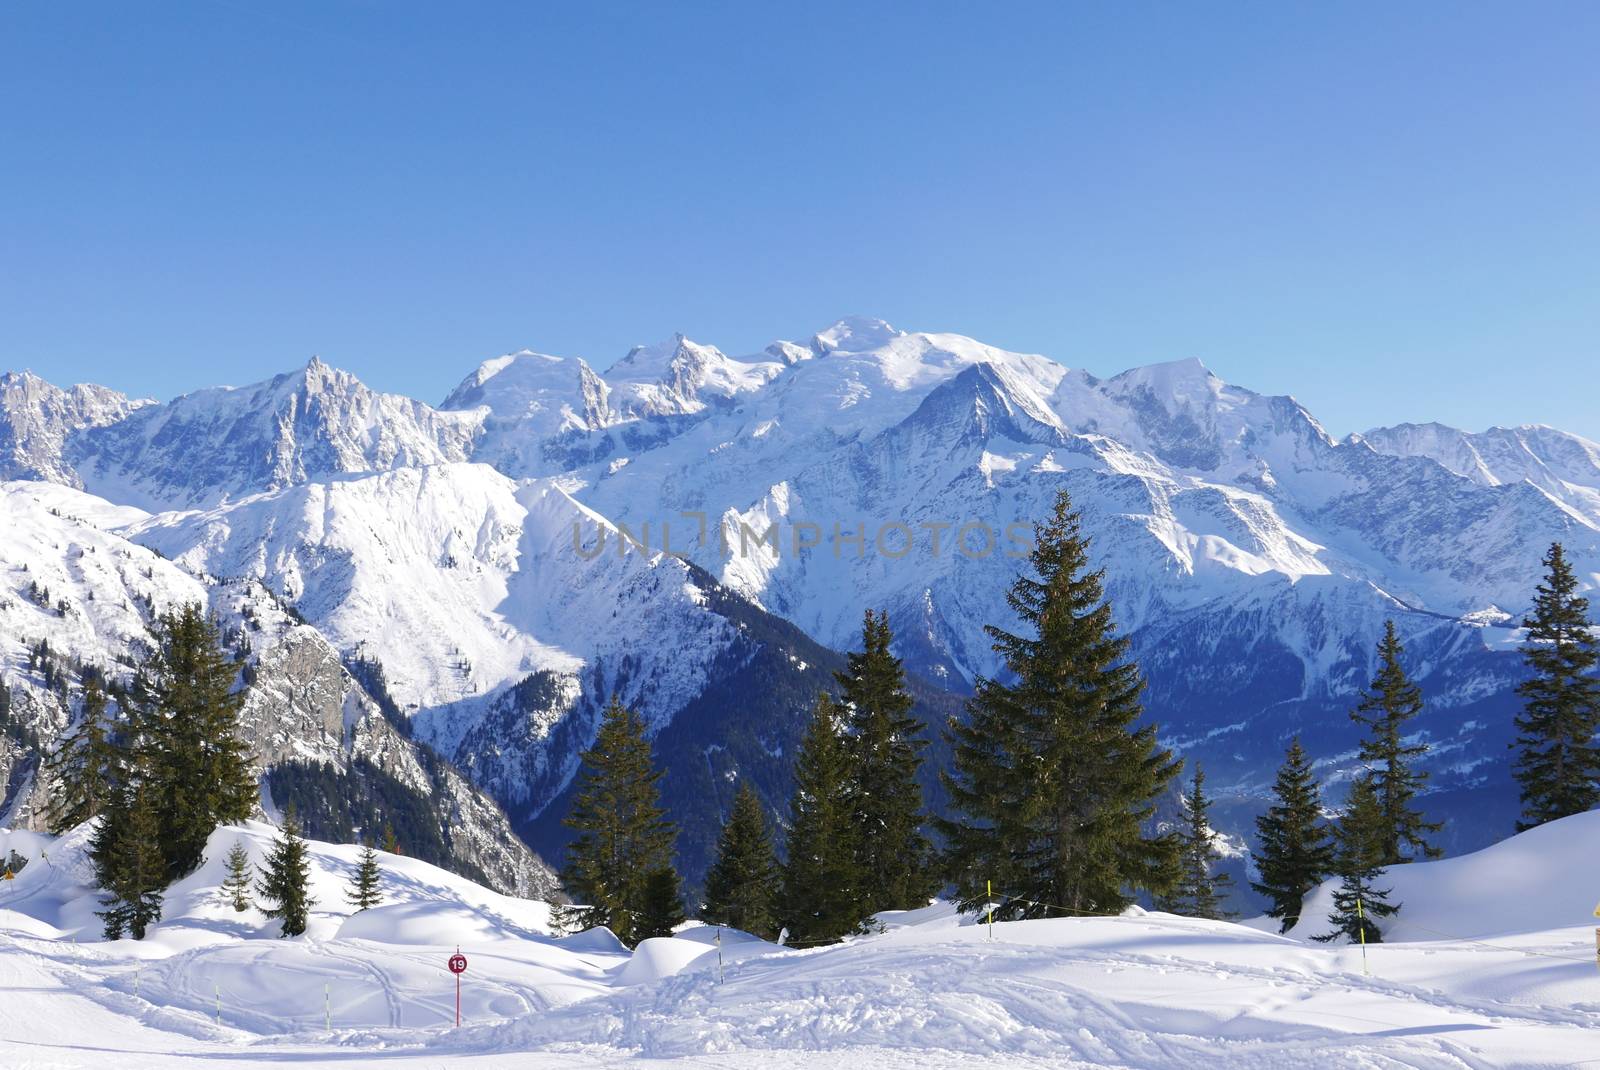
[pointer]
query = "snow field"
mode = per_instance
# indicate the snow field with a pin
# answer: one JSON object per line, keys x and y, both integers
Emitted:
{"x": 1516, "y": 985}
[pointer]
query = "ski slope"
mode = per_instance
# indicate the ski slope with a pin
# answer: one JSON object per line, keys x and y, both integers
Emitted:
{"x": 1516, "y": 986}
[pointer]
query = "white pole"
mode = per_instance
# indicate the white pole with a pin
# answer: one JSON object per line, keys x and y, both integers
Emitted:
{"x": 327, "y": 1009}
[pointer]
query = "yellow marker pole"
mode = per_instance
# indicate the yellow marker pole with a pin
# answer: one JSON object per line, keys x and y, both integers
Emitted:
{"x": 1597, "y": 938}
{"x": 989, "y": 886}
{"x": 1362, "y": 918}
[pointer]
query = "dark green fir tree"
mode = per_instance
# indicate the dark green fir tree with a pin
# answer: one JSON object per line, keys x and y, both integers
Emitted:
{"x": 1558, "y": 763}
{"x": 238, "y": 877}
{"x": 82, "y": 770}
{"x": 1054, "y": 779}
{"x": 623, "y": 833}
{"x": 1385, "y": 710}
{"x": 819, "y": 898}
{"x": 884, "y": 744}
{"x": 742, "y": 887}
{"x": 186, "y": 716}
{"x": 1200, "y": 889}
{"x": 126, "y": 851}
{"x": 364, "y": 892}
{"x": 286, "y": 884}
{"x": 1295, "y": 851}
{"x": 661, "y": 910}
{"x": 1358, "y": 902}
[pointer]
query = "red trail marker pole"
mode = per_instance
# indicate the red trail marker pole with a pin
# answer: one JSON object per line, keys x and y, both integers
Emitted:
{"x": 458, "y": 966}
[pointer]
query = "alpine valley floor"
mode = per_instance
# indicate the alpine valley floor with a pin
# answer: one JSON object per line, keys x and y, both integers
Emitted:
{"x": 1495, "y": 967}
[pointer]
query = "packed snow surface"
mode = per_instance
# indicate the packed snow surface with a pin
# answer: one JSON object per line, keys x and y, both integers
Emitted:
{"x": 1492, "y": 965}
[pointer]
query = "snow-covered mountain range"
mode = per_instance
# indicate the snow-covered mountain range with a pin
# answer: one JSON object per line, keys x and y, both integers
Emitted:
{"x": 487, "y": 552}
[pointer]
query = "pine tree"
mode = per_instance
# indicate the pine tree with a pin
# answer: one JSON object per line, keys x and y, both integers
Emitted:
{"x": 187, "y": 719}
{"x": 1296, "y": 851}
{"x": 1384, "y": 710}
{"x": 819, "y": 897}
{"x": 742, "y": 887}
{"x": 363, "y": 891}
{"x": 1558, "y": 764}
{"x": 126, "y": 851}
{"x": 1359, "y": 863}
{"x": 1054, "y": 782}
{"x": 286, "y": 883}
{"x": 235, "y": 887}
{"x": 623, "y": 834}
{"x": 390, "y": 844}
{"x": 885, "y": 743}
{"x": 81, "y": 769}
{"x": 661, "y": 909}
{"x": 1199, "y": 891}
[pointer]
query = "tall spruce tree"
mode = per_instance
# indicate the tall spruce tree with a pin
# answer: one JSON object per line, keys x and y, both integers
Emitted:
{"x": 1200, "y": 890}
{"x": 126, "y": 851}
{"x": 363, "y": 892}
{"x": 623, "y": 833}
{"x": 235, "y": 888}
{"x": 819, "y": 899}
{"x": 661, "y": 911}
{"x": 1558, "y": 763}
{"x": 1384, "y": 711}
{"x": 742, "y": 887}
{"x": 186, "y": 715}
{"x": 1053, "y": 780}
{"x": 286, "y": 884}
{"x": 1296, "y": 847}
{"x": 1358, "y": 902}
{"x": 82, "y": 769}
{"x": 885, "y": 743}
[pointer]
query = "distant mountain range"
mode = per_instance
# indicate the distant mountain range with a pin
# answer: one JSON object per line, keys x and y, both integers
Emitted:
{"x": 1251, "y": 557}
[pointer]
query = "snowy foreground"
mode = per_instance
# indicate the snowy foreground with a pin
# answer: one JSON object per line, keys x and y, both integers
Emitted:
{"x": 1513, "y": 984}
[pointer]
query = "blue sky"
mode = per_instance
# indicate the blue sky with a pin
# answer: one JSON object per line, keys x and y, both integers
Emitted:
{"x": 1390, "y": 211}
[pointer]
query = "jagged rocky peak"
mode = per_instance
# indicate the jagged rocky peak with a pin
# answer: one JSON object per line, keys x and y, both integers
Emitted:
{"x": 681, "y": 376}
{"x": 37, "y": 418}
{"x": 225, "y": 442}
{"x": 788, "y": 352}
{"x": 986, "y": 400}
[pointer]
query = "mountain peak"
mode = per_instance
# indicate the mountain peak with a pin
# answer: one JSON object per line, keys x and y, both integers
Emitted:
{"x": 1168, "y": 376}
{"x": 853, "y": 334}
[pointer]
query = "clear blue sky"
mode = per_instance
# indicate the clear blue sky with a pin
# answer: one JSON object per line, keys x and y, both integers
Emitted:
{"x": 1391, "y": 211}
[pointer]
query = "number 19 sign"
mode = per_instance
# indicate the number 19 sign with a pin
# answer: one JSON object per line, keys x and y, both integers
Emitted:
{"x": 458, "y": 966}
